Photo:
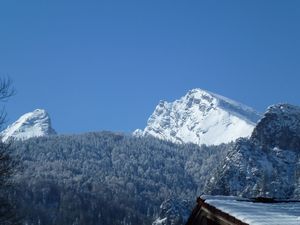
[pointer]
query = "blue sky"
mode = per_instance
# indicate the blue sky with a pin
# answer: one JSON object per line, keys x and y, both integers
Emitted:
{"x": 104, "y": 65}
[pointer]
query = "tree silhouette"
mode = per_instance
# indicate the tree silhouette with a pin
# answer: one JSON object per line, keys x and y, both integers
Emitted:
{"x": 7, "y": 164}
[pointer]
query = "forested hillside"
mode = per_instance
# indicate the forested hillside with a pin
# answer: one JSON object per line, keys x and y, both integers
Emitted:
{"x": 107, "y": 178}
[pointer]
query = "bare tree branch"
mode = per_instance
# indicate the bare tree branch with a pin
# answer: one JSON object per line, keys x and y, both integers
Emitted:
{"x": 6, "y": 89}
{"x": 7, "y": 163}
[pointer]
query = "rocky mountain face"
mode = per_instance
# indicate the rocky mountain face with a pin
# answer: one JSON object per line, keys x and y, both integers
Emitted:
{"x": 32, "y": 124}
{"x": 267, "y": 164}
{"x": 201, "y": 117}
{"x": 280, "y": 127}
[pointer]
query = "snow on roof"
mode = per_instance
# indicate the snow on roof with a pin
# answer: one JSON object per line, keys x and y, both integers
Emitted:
{"x": 257, "y": 213}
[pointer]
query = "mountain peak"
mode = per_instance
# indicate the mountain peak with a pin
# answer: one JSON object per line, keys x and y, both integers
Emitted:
{"x": 33, "y": 124}
{"x": 199, "y": 93}
{"x": 201, "y": 117}
{"x": 283, "y": 108}
{"x": 279, "y": 127}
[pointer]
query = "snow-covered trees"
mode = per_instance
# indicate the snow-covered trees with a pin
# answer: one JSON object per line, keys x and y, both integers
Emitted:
{"x": 106, "y": 178}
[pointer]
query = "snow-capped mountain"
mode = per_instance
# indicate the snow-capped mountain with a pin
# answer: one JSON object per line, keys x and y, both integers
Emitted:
{"x": 201, "y": 117}
{"x": 267, "y": 164}
{"x": 32, "y": 124}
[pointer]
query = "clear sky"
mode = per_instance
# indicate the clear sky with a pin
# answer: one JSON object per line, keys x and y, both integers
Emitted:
{"x": 105, "y": 64}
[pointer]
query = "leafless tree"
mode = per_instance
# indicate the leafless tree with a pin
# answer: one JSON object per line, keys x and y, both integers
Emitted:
{"x": 7, "y": 163}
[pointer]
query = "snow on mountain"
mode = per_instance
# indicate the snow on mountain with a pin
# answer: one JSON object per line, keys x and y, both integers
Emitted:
{"x": 32, "y": 124}
{"x": 200, "y": 117}
{"x": 267, "y": 164}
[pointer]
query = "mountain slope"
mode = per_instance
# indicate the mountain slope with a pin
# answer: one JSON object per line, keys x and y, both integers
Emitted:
{"x": 126, "y": 177}
{"x": 32, "y": 124}
{"x": 200, "y": 117}
{"x": 267, "y": 164}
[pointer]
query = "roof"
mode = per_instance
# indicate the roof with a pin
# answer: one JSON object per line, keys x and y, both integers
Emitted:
{"x": 251, "y": 211}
